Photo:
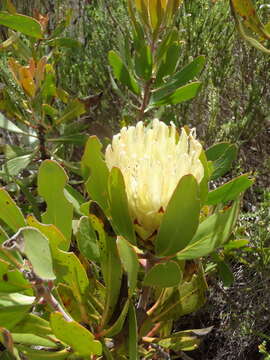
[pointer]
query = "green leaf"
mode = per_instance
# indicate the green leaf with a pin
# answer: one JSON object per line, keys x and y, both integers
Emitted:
{"x": 52, "y": 180}
{"x": 222, "y": 155}
{"x": 43, "y": 354}
{"x": 163, "y": 275}
{"x": 70, "y": 270}
{"x": 122, "y": 73}
{"x": 9, "y": 126}
{"x": 14, "y": 166}
{"x": 10, "y": 213}
{"x": 205, "y": 179}
{"x": 12, "y": 280}
{"x": 65, "y": 42}
{"x": 229, "y": 191}
{"x": 211, "y": 233}
{"x": 119, "y": 323}
{"x": 129, "y": 261}
{"x": 33, "y": 324}
{"x": 74, "y": 197}
{"x": 13, "y": 308}
{"x": 22, "y": 23}
{"x": 110, "y": 266}
{"x": 74, "y": 109}
{"x": 33, "y": 340}
{"x": 75, "y": 335}
{"x": 87, "y": 239}
{"x": 181, "y": 78}
{"x": 52, "y": 233}
{"x": 133, "y": 353}
{"x": 225, "y": 273}
{"x": 168, "y": 63}
{"x": 76, "y": 139}
{"x": 185, "y": 299}
{"x": 121, "y": 219}
{"x": 183, "y": 93}
{"x": 143, "y": 60}
{"x": 180, "y": 341}
{"x": 235, "y": 244}
{"x": 35, "y": 246}
{"x": 181, "y": 218}
{"x": 94, "y": 165}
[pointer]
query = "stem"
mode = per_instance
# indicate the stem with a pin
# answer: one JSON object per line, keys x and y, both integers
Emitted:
{"x": 44, "y": 292}
{"x": 42, "y": 142}
{"x": 146, "y": 290}
{"x": 146, "y": 96}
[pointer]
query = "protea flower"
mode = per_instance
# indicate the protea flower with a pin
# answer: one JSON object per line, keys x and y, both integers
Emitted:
{"x": 153, "y": 160}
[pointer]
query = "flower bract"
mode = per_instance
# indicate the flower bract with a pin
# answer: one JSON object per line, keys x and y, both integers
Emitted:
{"x": 152, "y": 160}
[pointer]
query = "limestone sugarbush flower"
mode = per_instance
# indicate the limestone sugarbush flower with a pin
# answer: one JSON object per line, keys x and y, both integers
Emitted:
{"x": 152, "y": 160}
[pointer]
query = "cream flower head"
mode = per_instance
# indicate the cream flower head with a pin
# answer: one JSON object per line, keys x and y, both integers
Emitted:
{"x": 153, "y": 160}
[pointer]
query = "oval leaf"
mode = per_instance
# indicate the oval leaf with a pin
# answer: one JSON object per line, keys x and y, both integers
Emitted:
{"x": 122, "y": 73}
{"x": 163, "y": 275}
{"x": 181, "y": 218}
{"x": 121, "y": 219}
{"x": 22, "y": 23}
{"x": 75, "y": 335}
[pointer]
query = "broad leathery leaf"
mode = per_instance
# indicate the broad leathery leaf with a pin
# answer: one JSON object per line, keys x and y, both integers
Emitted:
{"x": 132, "y": 334}
{"x": 52, "y": 233}
{"x": 129, "y": 261}
{"x": 10, "y": 213}
{"x": 122, "y": 73}
{"x": 229, "y": 191}
{"x": 119, "y": 323}
{"x": 222, "y": 155}
{"x": 31, "y": 242}
{"x": 118, "y": 202}
{"x": 225, "y": 273}
{"x": 181, "y": 94}
{"x": 96, "y": 172}
{"x": 246, "y": 11}
{"x": 205, "y": 179}
{"x": 52, "y": 180}
{"x": 170, "y": 37}
{"x": 73, "y": 110}
{"x": 214, "y": 152}
{"x": 111, "y": 268}
{"x": 33, "y": 340}
{"x": 184, "y": 342}
{"x": 163, "y": 275}
{"x": 22, "y": 23}
{"x": 9, "y": 126}
{"x": 75, "y": 139}
{"x": 235, "y": 244}
{"x": 185, "y": 299}
{"x": 181, "y": 218}
{"x": 87, "y": 239}
{"x": 70, "y": 271}
{"x": 143, "y": 61}
{"x": 74, "y": 197}
{"x": 67, "y": 266}
{"x": 13, "y": 308}
{"x": 71, "y": 304}
{"x": 64, "y": 42}
{"x": 168, "y": 63}
{"x": 43, "y": 354}
{"x": 181, "y": 78}
{"x": 33, "y": 324}
{"x": 3, "y": 237}
{"x": 211, "y": 233}
{"x": 80, "y": 339}
{"x": 14, "y": 166}
{"x": 12, "y": 280}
